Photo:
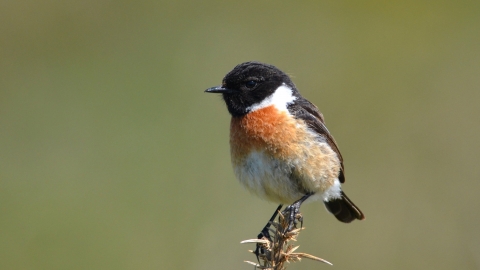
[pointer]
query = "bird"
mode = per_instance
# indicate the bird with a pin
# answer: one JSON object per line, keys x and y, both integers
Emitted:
{"x": 280, "y": 148}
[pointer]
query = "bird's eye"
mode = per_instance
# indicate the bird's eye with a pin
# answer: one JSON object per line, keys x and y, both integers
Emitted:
{"x": 250, "y": 84}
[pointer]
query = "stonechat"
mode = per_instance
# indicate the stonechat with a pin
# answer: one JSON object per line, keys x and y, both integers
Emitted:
{"x": 280, "y": 148}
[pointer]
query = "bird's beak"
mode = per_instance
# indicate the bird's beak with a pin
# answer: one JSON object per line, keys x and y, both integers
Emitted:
{"x": 219, "y": 89}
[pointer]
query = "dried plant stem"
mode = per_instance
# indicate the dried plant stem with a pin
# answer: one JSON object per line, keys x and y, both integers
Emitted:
{"x": 275, "y": 252}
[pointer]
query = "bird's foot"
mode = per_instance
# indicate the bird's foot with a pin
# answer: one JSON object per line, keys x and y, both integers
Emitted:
{"x": 291, "y": 214}
{"x": 259, "y": 249}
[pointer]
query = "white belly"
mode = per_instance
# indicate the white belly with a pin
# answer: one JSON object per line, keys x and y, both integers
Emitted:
{"x": 282, "y": 181}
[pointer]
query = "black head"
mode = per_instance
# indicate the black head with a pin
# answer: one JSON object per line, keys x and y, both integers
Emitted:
{"x": 250, "y": 83}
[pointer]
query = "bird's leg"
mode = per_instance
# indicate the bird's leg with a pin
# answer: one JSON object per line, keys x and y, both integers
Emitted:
{"x": 264, "y": 232}
{"x": 292, "y": 211}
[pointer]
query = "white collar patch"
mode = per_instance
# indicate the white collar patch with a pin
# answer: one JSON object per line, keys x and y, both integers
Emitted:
{"x": 281, "y": 98}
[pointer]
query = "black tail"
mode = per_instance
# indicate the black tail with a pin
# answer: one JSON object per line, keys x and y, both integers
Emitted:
{"x": 344, "y": 209}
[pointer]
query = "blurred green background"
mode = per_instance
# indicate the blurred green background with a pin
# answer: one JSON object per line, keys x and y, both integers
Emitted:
{"x": 112, "y": 157}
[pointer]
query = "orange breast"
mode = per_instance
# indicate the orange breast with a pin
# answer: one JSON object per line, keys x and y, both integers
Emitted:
{"x": 281, "y": 148}
{"x": 266, "y": 129}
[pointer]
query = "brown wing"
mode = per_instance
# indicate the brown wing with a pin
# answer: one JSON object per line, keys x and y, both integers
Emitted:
{"x": 305, "y": 110}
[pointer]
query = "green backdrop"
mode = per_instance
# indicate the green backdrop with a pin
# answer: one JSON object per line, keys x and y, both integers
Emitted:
{"x": 112, "y": 157}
